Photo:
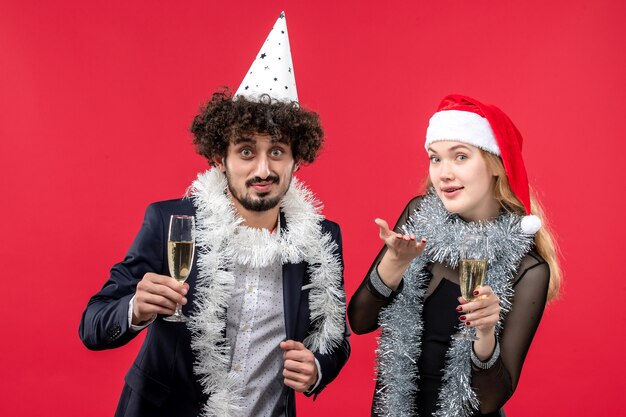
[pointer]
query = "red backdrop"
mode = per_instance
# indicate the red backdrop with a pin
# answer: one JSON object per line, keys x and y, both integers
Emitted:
{"x": 96, "y": 99}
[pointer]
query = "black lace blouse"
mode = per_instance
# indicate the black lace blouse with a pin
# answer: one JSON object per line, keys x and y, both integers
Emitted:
{"x": 495, "y": 385}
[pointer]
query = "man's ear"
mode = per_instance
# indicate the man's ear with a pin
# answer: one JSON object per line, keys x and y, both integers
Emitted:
{"x": 296, "y": 167}
{"x": 219, "y": 162}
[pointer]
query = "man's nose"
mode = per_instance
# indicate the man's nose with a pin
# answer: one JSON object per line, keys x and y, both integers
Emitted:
{"x": 262, "y": 169}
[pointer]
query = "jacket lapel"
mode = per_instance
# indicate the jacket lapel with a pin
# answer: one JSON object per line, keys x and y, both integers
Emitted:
{"x": 293, "y": 275}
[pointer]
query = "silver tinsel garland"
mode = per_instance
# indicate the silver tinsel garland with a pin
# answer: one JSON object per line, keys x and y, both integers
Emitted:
{"x": 222, "y": 243}
{"x": 399, "y": 345}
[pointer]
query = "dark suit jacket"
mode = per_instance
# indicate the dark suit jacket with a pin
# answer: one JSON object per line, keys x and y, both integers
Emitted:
{"x": 161, "y": 381}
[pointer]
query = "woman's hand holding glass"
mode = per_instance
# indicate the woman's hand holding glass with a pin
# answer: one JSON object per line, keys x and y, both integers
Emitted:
{"x": 482, "y": 312}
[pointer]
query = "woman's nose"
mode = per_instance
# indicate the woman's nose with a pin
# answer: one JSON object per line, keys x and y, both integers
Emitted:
{"x": 446, "y": 171}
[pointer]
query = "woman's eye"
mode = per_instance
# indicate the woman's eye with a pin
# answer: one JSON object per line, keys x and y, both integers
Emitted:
{"x": 461, "y": 157}
{"x": 434, "y": 159}
{"x": 276, "y": 153}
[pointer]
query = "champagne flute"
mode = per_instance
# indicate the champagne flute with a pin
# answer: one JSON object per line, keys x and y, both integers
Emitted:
{"x": 472, "y": 272}
{"x": 180, "y": 251}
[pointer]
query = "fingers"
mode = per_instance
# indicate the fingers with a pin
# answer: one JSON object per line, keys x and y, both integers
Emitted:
{"x": 299, "y": 381}
{"x": 143, "y": 310}
{"x": 292, "y": 345}
{"x": 158, "y": 294}
{"x": 384, "y": 228}
{"x": 408, "y": 245}
{"x": 164, "y": 286}
{"x": 409, "y": 240}
{"x": 487, "y": 316}
{"x": 405, "y": 247}
{"x": 481, "y": 294}
{"x": 386, "y": 232}
{"x": 167, "y": 281}
{"x": 296, "y": 351}
{"x": 485, "y": 290}
{"x": 483, "y": 312}
{"x": 300, "y": 371}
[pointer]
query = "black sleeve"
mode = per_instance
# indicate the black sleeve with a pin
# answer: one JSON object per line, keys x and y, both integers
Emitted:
{"x": 366, "y": 302}
{"x": 497, "y": 384}
{"x": 104, "y": 324}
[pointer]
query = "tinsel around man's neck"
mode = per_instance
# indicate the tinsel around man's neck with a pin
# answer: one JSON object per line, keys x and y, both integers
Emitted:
{"x": 223, "y": 242}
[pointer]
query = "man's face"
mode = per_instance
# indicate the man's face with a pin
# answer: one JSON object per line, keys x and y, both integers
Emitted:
{"x": 258, "y": 171}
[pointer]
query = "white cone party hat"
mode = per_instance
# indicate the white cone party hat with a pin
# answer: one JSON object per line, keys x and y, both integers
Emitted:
{"x": 271, "y": 72}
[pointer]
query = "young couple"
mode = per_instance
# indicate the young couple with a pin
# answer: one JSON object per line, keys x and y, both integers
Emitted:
{"x": 265, "y": 296}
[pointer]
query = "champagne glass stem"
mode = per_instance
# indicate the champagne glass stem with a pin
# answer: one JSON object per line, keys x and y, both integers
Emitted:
{"x": 468, "y": 335}
{"x": 179, "y": 311}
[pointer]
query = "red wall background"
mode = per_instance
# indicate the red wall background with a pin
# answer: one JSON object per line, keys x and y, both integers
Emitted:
{"x": 96, "y": 99}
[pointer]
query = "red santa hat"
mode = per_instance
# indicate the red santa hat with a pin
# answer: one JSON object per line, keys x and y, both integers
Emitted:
{"x": 464, "y": 119}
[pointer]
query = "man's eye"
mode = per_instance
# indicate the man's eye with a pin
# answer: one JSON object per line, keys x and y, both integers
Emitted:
{"x": 277, "y": 152}
{"x": 246, "y": 153}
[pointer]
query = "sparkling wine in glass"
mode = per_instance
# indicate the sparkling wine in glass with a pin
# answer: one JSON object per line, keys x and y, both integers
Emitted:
{"x": 180, "y": 251}
{"x": 472, "y": 271}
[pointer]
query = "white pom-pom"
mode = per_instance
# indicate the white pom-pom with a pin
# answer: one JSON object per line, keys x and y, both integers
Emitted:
{"x": 530, "y": 224}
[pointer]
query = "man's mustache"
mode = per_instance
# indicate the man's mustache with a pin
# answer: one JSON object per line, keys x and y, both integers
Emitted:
{"x": 256, "y": 180}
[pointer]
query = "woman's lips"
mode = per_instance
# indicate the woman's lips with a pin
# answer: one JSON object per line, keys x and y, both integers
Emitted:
{"x": 451, "y": 192}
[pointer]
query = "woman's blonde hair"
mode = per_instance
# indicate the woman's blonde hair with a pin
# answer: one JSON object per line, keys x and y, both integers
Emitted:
{"x": 545, "y": 245}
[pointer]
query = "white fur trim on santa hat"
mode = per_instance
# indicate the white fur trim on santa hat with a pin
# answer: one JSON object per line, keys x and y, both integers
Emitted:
{"x": 461, "y": 126}
{"x": 530, "y": 224}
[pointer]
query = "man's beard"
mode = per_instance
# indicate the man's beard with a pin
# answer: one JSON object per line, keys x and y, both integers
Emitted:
{"x": 260, "y": 203}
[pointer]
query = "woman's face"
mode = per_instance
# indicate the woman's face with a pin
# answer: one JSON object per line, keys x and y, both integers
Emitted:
{"x": 462, "y": 180}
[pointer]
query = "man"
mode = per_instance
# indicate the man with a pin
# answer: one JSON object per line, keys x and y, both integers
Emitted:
{"x": 265, "y": 296}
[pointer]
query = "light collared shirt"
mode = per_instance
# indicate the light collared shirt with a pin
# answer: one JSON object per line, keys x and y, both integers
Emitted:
{"x": 255, "y": 326}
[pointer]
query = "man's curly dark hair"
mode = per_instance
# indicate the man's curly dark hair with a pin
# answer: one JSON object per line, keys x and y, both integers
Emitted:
{"x": 225, "y": 117}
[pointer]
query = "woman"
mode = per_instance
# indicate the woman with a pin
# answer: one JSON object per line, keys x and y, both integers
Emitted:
{"x": 477, "y": 185}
